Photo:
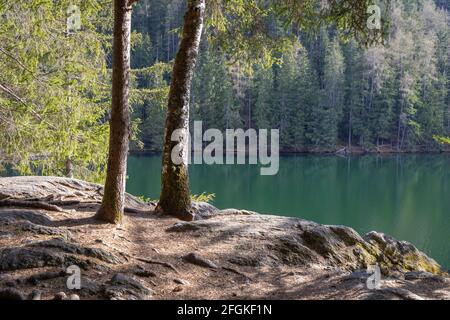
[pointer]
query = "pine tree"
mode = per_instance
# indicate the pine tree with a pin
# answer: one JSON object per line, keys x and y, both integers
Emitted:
{"x": 326, "y": 116}
{"x": 113, "y": 201}
{"x": 289, "y": 114}
{"x": 53, "y": 99}
{"x": 212, "y": 93}
{"x": 262, "y": 88}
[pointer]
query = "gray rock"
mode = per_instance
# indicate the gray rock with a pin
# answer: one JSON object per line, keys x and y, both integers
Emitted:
{"x": 422, "y": 275}
{"x": 38, "y": 229}
{"x": 74, "y": 297}
{"x": 322, "y": 240}
{"x": 64, "y": 246}
{"x": 37, "y": 257}
{"x": 51, "y": 189}
{"x": 24, "y": 258}
{"x": 349, "y": 236}
{"x": 6, "y": 220}
{"x": 124, "y": 287}
{"x": 33, "y": 216}
{"x": 400, "y": 255}
{"x": 90, "y": 287}
{"x": 247, "y": 261}
{"x": 60, "y": 296}
{"x": 290, "y": 250}
{"x": 123, "y": 279}
{"x": 203, "y": 210}
{"x": 11, "y": 294}
{"x": 35, "y": 295}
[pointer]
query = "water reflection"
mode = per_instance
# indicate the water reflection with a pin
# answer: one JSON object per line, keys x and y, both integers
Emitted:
{"x": 407, "y": 196}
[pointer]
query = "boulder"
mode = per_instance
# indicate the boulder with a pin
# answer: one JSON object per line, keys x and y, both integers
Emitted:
{"x": 400, "y": 256}
{"x": 62, "y": 245}
{"x": 11, "y": 294}
{"x": 53, "y": 253}
{"x": 59, "y": 190}
{"x": 125, "y": 287}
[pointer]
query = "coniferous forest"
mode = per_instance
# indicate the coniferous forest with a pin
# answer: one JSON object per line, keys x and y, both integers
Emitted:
{"x": 323, "y": 94}
{"x": 324, "y": 91}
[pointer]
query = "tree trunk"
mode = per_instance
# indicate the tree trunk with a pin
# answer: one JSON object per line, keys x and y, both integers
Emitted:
{"x": 113, "y": 201}
{"x": 69, "y": 168}
{"x": 350, "y": 130}
{"x": 175, "y": 195}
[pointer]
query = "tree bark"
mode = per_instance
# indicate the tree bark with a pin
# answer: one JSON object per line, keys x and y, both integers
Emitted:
{"x": 175, "y": 195}
{"x": 113, "y": 201}
{"x": 350, "y": 123}
{"x": 69, "y": 168}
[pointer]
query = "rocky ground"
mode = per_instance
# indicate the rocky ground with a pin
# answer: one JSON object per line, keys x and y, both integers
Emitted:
{"x": 46, "y": 225}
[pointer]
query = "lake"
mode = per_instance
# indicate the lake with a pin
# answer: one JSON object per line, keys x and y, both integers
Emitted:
{"x": 406, "y": 196}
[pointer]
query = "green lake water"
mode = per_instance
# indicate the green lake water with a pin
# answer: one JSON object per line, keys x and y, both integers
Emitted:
{"x": 406, "y": 196}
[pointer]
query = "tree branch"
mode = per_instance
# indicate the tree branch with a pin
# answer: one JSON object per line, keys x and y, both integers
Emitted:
{"x": 23, "y": 102}
{"x": 9, "y": 55}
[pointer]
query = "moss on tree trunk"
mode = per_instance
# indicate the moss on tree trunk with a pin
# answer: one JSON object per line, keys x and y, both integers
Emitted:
{"x": 175, "y": 195}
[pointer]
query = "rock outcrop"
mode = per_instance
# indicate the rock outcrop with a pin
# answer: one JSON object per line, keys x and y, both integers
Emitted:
{"x": 279, "y": 240}
{"x": 219, "y": 251}
{"x": 57, "y": 191}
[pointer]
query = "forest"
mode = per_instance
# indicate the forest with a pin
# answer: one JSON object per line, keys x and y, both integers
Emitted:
{"x": 322, "y": 90}
{"x": 324, "y": 94}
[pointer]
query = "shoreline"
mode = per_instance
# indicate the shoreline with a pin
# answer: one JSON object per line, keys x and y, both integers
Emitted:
{"x": 321, "y": 153}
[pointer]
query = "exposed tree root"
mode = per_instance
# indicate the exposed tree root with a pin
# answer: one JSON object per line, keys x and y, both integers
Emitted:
{"x": 55, "y": 205}
{"x": 151, "y": 261}
{"x": 133, "y": 210}
{"x": 66, "y": 202}
{"x": 29, "y": 204}
{"x": 236, "y": 272}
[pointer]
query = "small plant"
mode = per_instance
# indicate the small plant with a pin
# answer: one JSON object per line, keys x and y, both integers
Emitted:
{"x": 203, "y": 197}
{"x": 145, "y": 199}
